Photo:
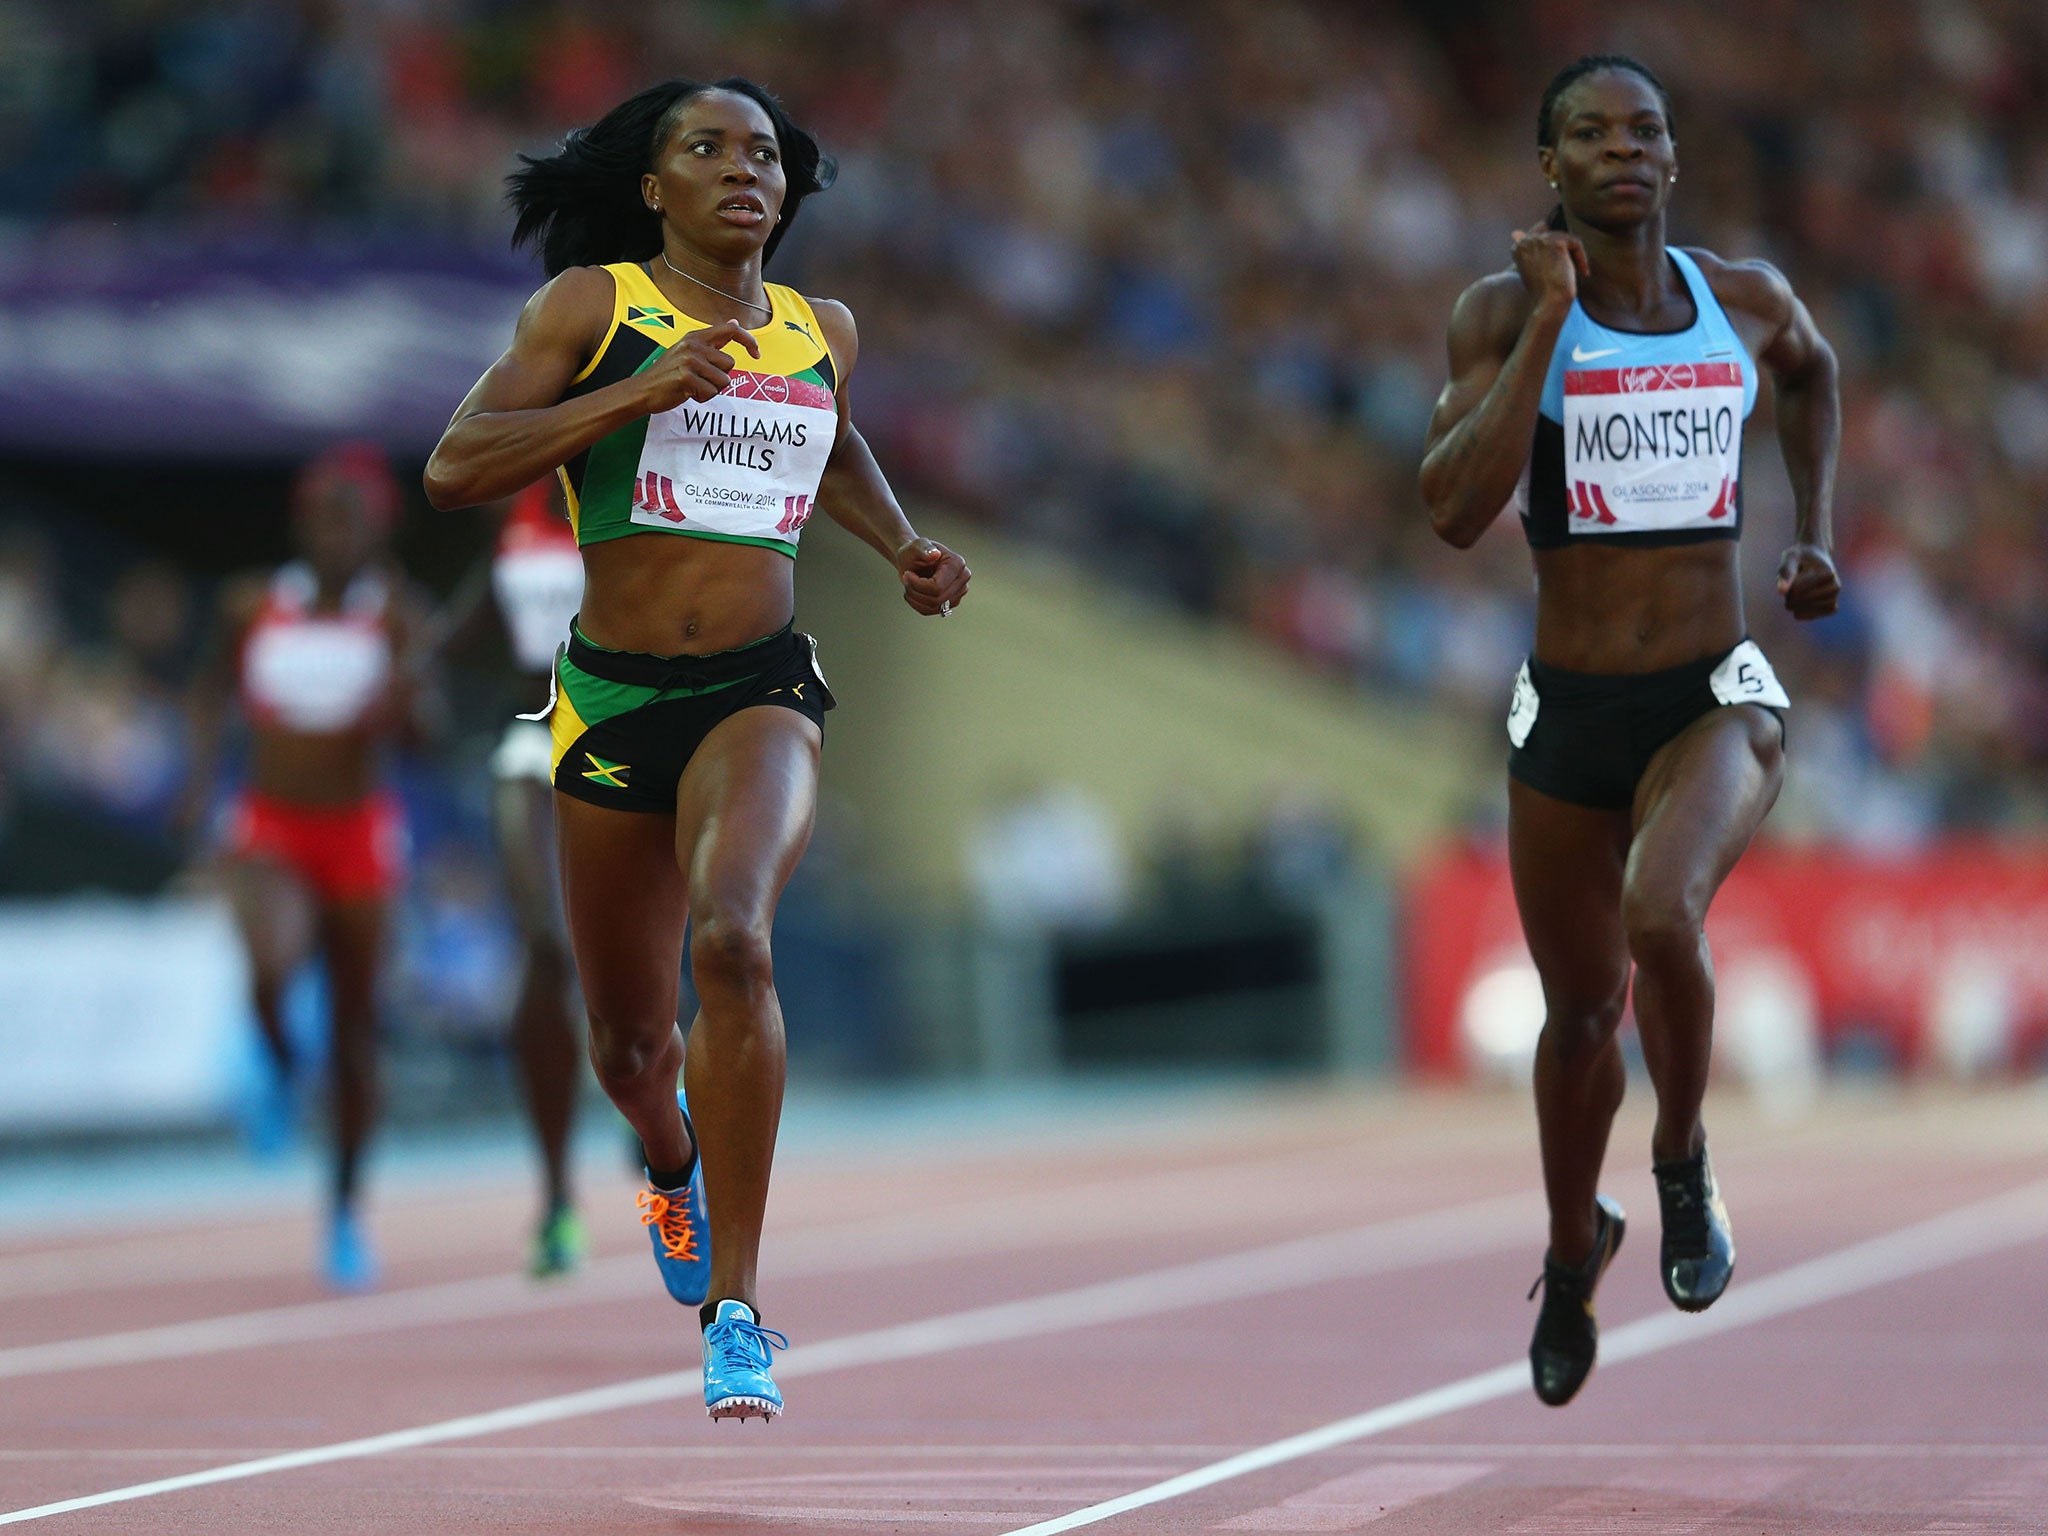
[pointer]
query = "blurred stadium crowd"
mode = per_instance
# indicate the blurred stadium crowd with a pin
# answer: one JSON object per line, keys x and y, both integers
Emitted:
{"x": 1164, "y": 287}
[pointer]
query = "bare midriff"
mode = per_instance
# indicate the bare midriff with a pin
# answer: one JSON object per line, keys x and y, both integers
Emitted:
{"x": 315, "y": 768}
{"x": 669, "y": 595}
{"x": 1615, "y": 609}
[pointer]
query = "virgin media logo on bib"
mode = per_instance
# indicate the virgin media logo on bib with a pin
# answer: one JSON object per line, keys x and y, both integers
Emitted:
{"x": 1650, "y": 450}
{"x": 774, "y": 389}
{"x": 1635, "y": 381}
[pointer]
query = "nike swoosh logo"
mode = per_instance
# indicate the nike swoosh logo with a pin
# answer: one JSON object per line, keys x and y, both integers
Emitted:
{"x": 1580, "y": 356}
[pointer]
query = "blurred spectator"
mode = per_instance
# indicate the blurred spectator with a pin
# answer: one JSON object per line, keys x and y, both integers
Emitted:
{"x": 1167, "y": 283}
{"x": 111, "y": 735}
{"x": 1049, "y": 858}
{"x": 29, "y": 631}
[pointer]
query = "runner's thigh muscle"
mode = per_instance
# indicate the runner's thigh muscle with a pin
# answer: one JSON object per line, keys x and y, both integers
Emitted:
{"x": 1567, "y": 861}
{"x": 626, "y": 907}
{"x": 1700, "y": 802}
{"x": 745, "y": 808}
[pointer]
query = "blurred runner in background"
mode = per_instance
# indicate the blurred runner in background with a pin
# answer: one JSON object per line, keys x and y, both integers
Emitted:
{"x": 322, "y": 656}
{"x": 528, "y": 588}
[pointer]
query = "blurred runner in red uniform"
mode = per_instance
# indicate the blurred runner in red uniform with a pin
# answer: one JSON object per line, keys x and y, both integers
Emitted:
{"x": 321, "y": 656}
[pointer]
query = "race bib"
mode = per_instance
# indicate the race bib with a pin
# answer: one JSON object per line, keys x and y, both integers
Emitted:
{"x": 745, "y": 463}
{"x": 1651, "y": 450}
{"x": 1745, "y": 677}
{"x": 1522, "y": 708}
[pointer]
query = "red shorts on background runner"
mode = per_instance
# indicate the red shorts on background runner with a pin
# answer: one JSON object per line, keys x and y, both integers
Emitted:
{"x": 344, "y": 852}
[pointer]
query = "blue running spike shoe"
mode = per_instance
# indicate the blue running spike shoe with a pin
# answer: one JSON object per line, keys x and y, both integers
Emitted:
{"x": 348, "y": 1262}
{"x": 736, "y": 1361}
{"x": 680, "y": 1231}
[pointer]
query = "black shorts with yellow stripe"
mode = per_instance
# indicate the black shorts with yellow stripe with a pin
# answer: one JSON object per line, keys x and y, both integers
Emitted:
{"x": 625, "y": 724}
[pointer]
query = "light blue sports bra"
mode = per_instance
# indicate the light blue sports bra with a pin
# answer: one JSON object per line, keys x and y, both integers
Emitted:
{"x": 1639, "y": 437}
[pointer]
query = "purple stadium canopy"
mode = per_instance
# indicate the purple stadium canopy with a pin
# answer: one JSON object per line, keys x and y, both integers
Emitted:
{"x": 123, "y": 340}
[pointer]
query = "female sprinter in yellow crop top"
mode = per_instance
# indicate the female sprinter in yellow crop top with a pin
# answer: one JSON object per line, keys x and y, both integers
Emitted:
{"x": 697, "y": 414}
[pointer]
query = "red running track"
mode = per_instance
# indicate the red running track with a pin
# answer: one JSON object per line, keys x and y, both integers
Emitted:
{"x": 992, "y": 1342}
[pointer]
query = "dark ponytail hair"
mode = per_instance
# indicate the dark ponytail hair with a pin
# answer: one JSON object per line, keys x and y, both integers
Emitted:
{"x": 581, "y": 206}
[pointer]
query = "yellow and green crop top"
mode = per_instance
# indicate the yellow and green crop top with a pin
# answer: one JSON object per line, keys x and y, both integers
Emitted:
{"x": 743, "y": 466}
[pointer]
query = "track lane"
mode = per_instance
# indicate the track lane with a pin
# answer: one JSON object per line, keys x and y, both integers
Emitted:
{"x": 1165, "y": 1388}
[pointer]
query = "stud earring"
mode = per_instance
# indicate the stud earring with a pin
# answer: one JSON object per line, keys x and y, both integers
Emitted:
{"x": 1553, "y": 186}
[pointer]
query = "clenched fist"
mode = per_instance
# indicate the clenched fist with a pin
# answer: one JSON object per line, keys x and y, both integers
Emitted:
{"x": 696, "y": 367}
{"x": 1551, "y": 263}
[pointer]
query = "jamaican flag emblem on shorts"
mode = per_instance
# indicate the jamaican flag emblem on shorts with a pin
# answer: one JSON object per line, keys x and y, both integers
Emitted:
{"x": 612, "y": 775}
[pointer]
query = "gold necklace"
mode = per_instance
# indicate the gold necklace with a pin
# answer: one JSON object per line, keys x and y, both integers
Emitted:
{"x": 766, "y": 309}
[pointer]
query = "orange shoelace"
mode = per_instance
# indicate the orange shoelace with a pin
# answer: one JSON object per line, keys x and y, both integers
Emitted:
{"x": 671, "y": 1213}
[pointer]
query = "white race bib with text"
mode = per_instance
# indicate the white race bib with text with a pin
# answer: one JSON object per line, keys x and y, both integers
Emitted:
{"x": 745, "y": 464}
{"x": 1654, "y": 449}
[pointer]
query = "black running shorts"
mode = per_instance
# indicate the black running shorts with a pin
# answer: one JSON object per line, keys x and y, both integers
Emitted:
{"x": 1588, "y": 737}
{"x": 624, "y": 724}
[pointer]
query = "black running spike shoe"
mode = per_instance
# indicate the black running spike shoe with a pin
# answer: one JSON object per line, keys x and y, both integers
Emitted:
{"x": 1699, "y": 1248}
{"x": 1567, "y": 1336}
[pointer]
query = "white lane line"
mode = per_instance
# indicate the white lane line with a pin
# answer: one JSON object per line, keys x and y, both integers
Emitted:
{"x": 241, "y": 1248}
{"x": 898, "y": 1498}
{"x": 231, "y": 1245}
{"x": 1406, "y": 1450}
{"x": 1988, "y": 1226}
{"x": 1407, "y": 1242}
{"x": 839, "y": 1451}
{"x": 136, "y": 1265}
{"x": 235, "y": 1246}
{"x": 1172, "y": 1199}
{"x": 1777, "y": 1450}
{"x": 302, "y": 1322}
{"x": 1151, "y": 1206}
